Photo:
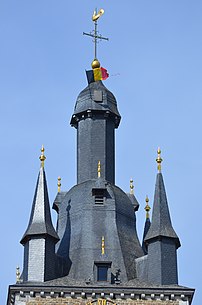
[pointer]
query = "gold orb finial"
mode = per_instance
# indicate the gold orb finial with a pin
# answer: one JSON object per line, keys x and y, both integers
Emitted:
{"x": 42, "y": 157}
{"x": 131, "y": 187}
{"x": 95, "y": 64}
{"x": 159, "y": 160}
{"x": 99, "y": 170}
{"x": 59, "y": 184}
{"x": 147, "y": 207}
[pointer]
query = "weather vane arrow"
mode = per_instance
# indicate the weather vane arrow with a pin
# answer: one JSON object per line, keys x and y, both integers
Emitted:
{"x": 95, "y": 34}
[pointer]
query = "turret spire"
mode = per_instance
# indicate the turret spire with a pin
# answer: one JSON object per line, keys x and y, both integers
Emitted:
{"x": 40, "y": 230}
{"x": 161, "y": 222}
{"x": 147, "y": 225}
{"x": 40, "y": 219}
{"x": 161, "y": 238}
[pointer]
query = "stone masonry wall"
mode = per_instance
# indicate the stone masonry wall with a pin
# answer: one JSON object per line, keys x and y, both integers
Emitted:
{"x": 64, "y": 301}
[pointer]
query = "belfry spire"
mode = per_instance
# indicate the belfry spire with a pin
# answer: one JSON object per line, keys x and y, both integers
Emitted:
{"x": 94, "y": 256}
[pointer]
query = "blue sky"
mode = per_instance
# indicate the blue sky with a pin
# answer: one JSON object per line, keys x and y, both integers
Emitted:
{"x": 154, "y": 57}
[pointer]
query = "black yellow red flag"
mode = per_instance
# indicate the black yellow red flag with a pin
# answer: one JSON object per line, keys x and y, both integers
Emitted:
{"x": 97, "y": 74}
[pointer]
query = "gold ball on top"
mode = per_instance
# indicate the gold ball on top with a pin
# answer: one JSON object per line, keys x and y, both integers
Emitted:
{"x": 159, "y": 159}
{"x": 147, "y": 207}
{"x": 147, "y": 199}
{"x": 95, "y": 64}
{"x": 42, "y": 157}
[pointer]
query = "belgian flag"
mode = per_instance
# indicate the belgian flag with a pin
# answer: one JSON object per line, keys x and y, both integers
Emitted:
{"x": 96, "y": 74}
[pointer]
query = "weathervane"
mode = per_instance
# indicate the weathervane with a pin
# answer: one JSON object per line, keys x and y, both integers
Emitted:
{"x": 95, "y": 33}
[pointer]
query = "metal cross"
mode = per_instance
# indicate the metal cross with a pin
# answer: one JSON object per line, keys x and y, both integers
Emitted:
{"x": 95, "y": 33}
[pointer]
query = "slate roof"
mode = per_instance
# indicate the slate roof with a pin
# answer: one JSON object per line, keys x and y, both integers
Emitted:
{"x": 146, "y": 229}
{"x": 40, "y": 222}
{"x": 82, "y": 223}
{"x": 87, "y": 100}
{"x": 134, "y": 201}
{"x": 161, "y": 225}
{"x": 71, "y": 283}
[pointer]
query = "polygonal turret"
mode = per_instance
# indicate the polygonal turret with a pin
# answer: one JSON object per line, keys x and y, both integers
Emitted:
{"x": 95, "y": 117}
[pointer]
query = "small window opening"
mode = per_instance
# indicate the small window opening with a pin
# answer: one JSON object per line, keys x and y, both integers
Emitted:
{"x": 102, "y": 272}
{"x": 99, "y": 195}
{"x": 99, "y": 199}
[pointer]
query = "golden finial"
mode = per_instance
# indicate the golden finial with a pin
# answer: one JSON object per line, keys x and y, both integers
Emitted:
{"x": 147, "y": 207}
{"x": 96, "y": 15}
{"x": 131, "y": 187}
{"x": 96, "y": 36}
{"x": 42, "y": 157}
{"x": 59, "y": 184}
{"x": 159, "y": 160}
{"x": 17, "y": 274}
{"x": 103, "y": 245}
{"x": 99, "y": 169}
{"x": 95, "y": 64}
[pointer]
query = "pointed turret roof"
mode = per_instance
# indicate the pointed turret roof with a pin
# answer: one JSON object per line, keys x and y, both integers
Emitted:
{"x": 40, "y": 222}
{"x": 146, "y": 226}
{"x": 161, "y": 225}
{"x": 146, "y": 229}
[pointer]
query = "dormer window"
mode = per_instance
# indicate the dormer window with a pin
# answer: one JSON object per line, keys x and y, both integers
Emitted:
{"x": 103, "y": 271}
